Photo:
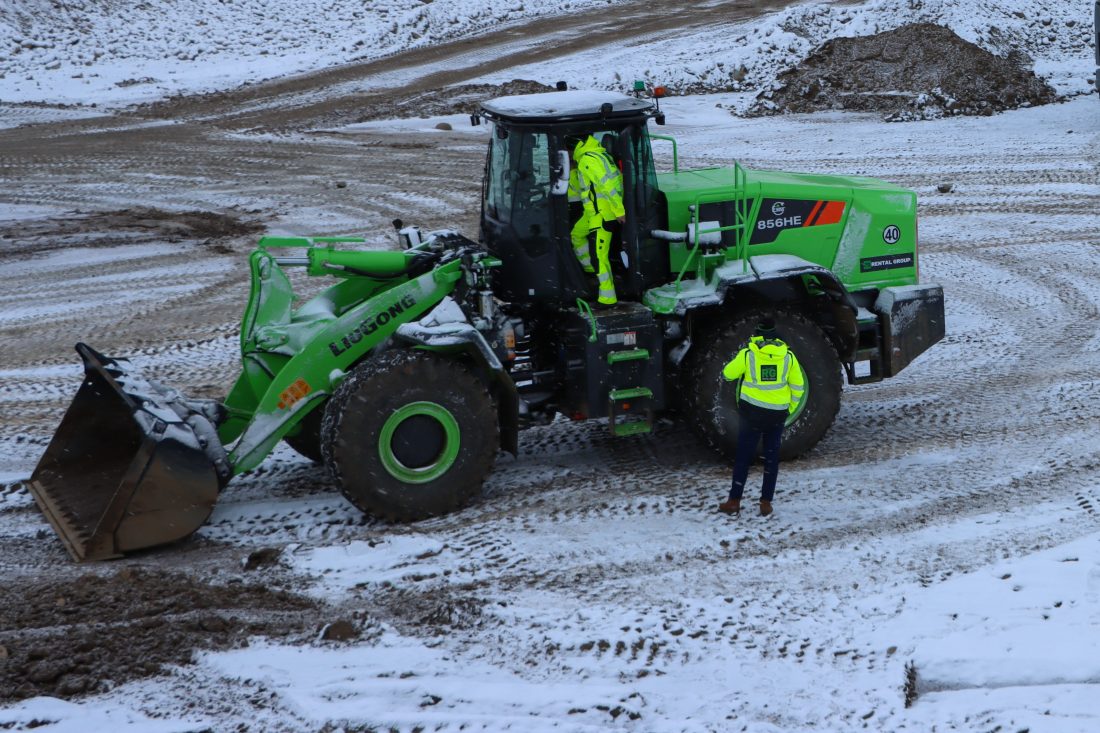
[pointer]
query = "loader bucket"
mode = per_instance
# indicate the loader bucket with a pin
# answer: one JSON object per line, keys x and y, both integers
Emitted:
{"x": 131, "y": 465}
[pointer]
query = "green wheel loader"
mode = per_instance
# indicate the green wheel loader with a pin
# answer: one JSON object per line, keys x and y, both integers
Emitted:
{"x": 413, "y": 368}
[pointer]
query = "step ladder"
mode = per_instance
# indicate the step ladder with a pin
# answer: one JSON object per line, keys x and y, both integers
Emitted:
{"x": 629, "y": 408}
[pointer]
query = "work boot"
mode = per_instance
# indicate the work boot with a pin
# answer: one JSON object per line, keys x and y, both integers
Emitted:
{"x": 733, "y": 506}
{"x": 765, "y": 508}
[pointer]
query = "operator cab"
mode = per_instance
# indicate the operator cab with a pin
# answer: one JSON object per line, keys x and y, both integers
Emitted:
{"x": 526, "y": 217}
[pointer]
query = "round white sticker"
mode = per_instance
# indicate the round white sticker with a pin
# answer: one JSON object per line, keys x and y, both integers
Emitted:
{"x": 891, "y": 234}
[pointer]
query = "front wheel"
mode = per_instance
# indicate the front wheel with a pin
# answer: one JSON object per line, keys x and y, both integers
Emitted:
{"x": 410, "y": 435}
{"x": 711, "y": 401}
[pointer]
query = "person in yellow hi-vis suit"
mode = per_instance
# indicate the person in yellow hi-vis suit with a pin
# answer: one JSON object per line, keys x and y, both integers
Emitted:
{"x": 772, "y": 386}
{"x": 601, "y": 188}
{"x": 579, "y": 233}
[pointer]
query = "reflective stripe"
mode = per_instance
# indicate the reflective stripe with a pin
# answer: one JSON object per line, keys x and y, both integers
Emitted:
{"x": 607, "y": 285}
{"x": 574, "y": 185}
{"x": 766, "y": 387}
{"x": 610, "y": 170}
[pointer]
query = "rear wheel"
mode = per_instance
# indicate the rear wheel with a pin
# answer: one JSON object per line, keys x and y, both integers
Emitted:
{"x": 410, "y": 435}
{"x": 711, "y": 401}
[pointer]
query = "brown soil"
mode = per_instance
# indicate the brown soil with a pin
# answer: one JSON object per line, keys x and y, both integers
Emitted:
{"x": 64, "y": 638}
{"x": 917, "y": 71}
{"x": 124, "y": 226}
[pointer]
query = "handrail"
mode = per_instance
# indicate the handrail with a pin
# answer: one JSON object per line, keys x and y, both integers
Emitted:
{"x": 740, "y": 224}
{"x": 586, "y": 311}
{"x": 675, "y": 152}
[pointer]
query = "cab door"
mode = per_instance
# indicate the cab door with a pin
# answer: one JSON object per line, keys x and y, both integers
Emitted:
{"x": 523, "y": 224}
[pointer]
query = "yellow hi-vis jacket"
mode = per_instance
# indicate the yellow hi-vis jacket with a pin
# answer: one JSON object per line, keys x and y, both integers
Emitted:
{"x": 601, "y": 182}
{"x": 574, "y": 187}
{"x": 770, "y": 374}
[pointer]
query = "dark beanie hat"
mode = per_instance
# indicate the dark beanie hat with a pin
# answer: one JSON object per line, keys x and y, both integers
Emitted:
{"x": 766, "y": 327}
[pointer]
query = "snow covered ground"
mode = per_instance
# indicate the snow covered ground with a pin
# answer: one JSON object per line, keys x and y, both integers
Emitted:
{"x": 943, "y": 544}
{"x": 91, "y": 53}
{"x": 964, "y": 546}
{"x": 126, "y": 51}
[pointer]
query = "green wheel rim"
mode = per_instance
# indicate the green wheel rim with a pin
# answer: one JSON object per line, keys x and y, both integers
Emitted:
{"x": 434, "y": 467}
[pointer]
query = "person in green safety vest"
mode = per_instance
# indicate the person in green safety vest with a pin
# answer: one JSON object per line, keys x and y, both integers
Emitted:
{"x": 772, "y": 385}
{"x": 600, "y": 185}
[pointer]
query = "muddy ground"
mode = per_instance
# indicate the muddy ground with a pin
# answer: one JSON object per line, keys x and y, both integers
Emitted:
{"x": 70, "y": 636}
{"x": 212, "y": 230}
{"x": 917, "y": 71}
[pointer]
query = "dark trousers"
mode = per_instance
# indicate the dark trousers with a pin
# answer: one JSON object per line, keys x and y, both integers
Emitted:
{"x": 748, "y": 434}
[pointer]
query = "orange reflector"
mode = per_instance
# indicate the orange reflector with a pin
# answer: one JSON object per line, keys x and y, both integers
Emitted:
{"x": 659, "y": 92}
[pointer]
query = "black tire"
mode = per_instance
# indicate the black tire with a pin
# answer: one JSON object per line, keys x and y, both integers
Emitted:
{"x": 308, "y": 440}
{"x": 711, "y": 400}
{"x": 442, "y": 435}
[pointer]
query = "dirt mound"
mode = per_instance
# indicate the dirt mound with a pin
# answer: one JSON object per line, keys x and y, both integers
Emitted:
{"x": 917, "y": 71}
{"x": 459, "y": 99}
{"x": 65, "y": 638}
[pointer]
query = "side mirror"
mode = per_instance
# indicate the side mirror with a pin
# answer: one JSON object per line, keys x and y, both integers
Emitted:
{"x": 560, "y": 173}
{"x": 409, "y": 237}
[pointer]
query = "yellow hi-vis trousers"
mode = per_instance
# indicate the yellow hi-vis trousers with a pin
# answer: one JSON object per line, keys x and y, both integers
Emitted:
{"x": 603, "y": 265}
{"x": 579, "y": 236}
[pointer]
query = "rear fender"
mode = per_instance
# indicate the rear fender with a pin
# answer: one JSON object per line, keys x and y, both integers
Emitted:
{"x": 317, "y": 367}
{"x": 780, "y": 280}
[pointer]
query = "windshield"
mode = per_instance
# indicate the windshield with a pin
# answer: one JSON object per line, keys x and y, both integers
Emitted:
{"x": 518, "y": 189}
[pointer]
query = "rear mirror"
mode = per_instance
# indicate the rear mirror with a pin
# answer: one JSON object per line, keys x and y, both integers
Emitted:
{"x": 560, "y": 172}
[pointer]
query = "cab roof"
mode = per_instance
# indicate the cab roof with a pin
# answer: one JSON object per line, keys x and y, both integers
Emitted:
{"x": 565, "y": 106}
